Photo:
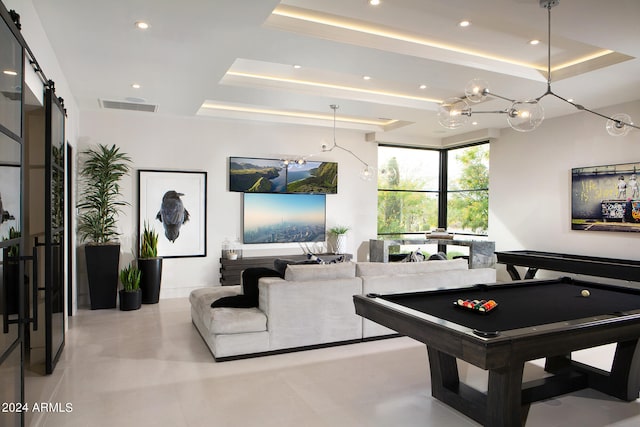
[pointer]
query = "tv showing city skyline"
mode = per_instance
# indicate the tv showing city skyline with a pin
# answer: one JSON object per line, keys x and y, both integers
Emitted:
{"x": 283, "y": 218}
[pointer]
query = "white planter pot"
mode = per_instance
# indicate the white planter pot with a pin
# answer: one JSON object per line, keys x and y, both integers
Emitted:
{"x": 341, "y": 244}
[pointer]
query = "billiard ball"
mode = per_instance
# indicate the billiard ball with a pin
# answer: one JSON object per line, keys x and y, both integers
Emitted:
{"x": 585, "y": 293}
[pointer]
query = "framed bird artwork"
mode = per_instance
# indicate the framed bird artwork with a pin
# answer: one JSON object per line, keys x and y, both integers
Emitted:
{"x": 174, "y": 204}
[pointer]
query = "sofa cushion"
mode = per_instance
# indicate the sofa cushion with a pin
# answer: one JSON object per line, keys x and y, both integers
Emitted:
{"x": 202, "y": 298}
{"x": 395, "y": 268}
{"x": 280, "y": 265}
{"x": 226, "y": 320}
{"x": 301, "y": 273}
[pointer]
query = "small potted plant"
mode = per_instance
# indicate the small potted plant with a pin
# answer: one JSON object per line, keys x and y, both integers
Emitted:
{"x": 339, "y": 232}
{"x": 130, "y": 295}
{"x": 150, "y": 264}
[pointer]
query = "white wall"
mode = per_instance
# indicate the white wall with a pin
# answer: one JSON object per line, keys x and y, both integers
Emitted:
{"x": 530, "y": 184}
{"x": 204, "y": 144}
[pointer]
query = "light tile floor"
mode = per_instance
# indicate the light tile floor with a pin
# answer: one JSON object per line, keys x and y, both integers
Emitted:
{"x": 151, "y": 368}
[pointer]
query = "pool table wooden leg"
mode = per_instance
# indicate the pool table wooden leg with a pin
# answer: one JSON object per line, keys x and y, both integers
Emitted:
{"x": 504, "y": 397}
{"x": 500, "y": 406}
{"x": 446, "y": 386}
{"x": 622, "y": 382}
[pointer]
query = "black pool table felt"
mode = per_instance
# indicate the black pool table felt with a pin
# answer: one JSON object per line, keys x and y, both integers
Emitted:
{"x": 524, "y": 305}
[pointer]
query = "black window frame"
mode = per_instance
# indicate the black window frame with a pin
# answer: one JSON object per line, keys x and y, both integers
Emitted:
{"x": 442, "y": 192}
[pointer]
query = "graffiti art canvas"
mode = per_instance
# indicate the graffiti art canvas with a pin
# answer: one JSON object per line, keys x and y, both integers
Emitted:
{"x": 606, "y": 198}
{"x": 174, "y": 204}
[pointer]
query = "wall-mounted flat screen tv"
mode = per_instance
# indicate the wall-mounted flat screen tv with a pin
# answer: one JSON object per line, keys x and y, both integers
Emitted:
{"x": 250, "y": 175}
{"x": 606, "y": 198}
{"x": 284, "y": 218}
{"x": 313, "y": 177}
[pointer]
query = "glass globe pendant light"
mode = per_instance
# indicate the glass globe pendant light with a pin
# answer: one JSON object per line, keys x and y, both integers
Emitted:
{"x": 617, "y": 125}
{"x": 476, "y": 90}
{"x": 454, "y": 113}
{"x": 525, "y": 116}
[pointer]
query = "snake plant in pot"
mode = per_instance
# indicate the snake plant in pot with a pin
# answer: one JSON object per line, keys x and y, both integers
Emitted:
{"x": 150, "y": 264}
{"x": 130, "y": 294}
{"x": 100, "y": 203}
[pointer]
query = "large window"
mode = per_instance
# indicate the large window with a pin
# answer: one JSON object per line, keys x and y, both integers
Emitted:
{"x": 421, "y": 189}
{"x": 408, "y": 194}
{"x": 468, "y": 190}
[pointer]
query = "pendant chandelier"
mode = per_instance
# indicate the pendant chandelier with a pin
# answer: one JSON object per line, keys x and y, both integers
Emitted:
{"x": 367, "y": 172}
{"x": 522, "y": 115}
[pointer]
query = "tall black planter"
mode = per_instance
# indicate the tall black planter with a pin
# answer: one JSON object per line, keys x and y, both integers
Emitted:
{"x": 151, "y": 269}
{"x": 102, "y": 271}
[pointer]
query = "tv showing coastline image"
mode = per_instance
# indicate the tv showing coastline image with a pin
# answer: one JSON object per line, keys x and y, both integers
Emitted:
{"x": 313, "y": 177}
{"x": 249, "y": 175}
{"x": 283, "y": 218}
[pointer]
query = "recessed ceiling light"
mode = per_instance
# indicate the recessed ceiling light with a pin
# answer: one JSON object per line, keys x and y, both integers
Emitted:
{"x": 10, "y": 72}
{"x": 464, "y": 23}
{"x": 423, "y": 86}
{"x": 297, "y": 67}
{"x": 374, "y": 2}
{"x": 135, "y": 86}
{"x": 142, "y": 25}
{"x": 474, "y": 123}
{"x": 366, "y": 77}
{"x": 534, "y": 42}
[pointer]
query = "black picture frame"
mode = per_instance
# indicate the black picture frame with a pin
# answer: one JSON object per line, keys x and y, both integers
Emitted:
{"x": 163, "y": 197}
{"x": 606, "y": 198}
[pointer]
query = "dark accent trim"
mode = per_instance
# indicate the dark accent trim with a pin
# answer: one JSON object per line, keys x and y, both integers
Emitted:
{"x": 284, "y": 350}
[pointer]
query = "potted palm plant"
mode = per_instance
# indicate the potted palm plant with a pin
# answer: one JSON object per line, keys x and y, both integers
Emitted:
{"x": 150, "y": 264}
{"x": 339, "y": 232}
{"x": 130, "y": 294}
{"x": 99, "y": 207}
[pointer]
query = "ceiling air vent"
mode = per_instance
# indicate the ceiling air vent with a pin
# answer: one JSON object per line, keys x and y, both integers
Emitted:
{"x": 132, "y": 106}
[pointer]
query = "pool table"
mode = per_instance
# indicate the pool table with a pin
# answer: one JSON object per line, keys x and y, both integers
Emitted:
{"x": 588, "y": 265}
{"x": 533, "y": 319}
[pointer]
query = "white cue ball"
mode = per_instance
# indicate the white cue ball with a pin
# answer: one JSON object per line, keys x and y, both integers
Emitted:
{"x": 585, "y": 293}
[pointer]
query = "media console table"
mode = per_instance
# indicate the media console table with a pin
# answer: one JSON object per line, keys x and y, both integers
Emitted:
{"x": 231, "y": 270}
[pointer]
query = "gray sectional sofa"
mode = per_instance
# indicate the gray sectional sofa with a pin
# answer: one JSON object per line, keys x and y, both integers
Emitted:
{"x": 313, "y": 305}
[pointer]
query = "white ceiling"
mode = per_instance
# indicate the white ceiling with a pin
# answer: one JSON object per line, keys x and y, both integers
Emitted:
{"x": 236, "y": 57}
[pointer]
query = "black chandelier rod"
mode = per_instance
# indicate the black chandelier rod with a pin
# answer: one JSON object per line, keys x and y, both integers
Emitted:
{"x": 548, "y": 4}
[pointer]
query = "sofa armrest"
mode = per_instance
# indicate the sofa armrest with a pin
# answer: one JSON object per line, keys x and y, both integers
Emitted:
{"x": 301, "y": 313}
